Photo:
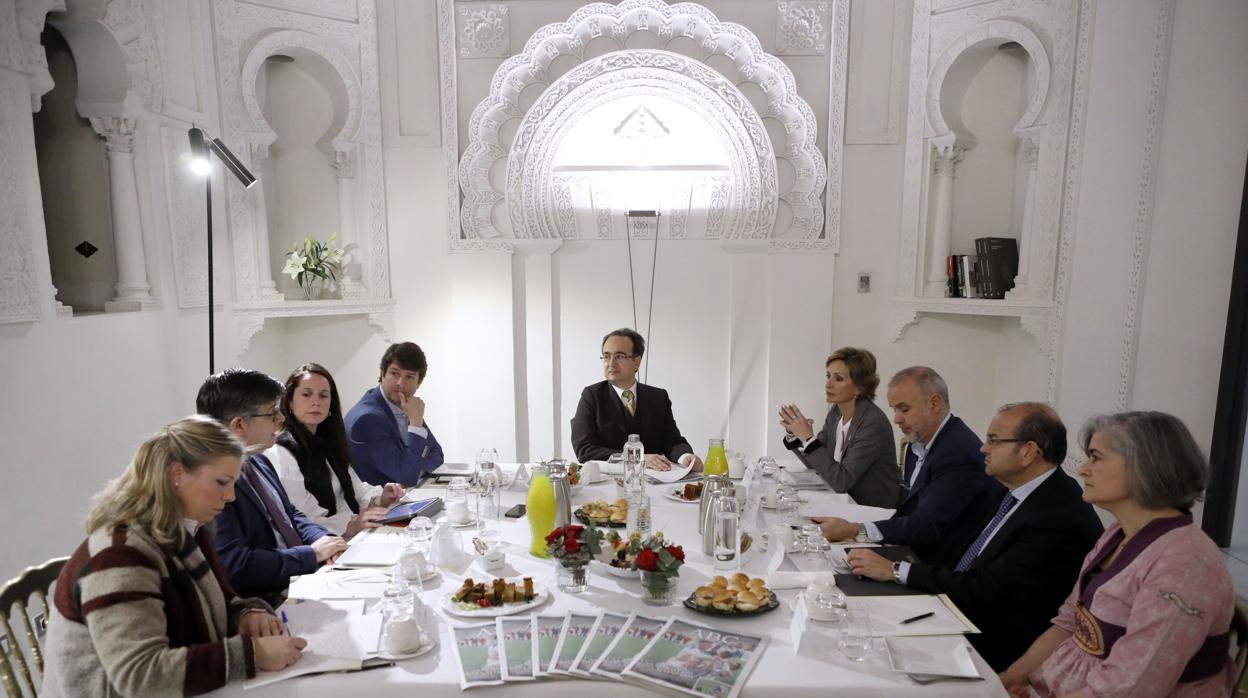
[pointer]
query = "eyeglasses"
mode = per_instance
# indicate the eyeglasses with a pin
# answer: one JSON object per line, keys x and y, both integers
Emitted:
{"x": 617, "y": 356}
{"x": 274, "y": 413}
{"x": 994, "y": 440}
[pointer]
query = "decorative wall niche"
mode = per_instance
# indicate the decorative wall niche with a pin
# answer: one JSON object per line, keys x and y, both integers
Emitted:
{"x": 643, "y": 46}
{"x": 1025, "y": 47}
{"x": 342, "y": 45}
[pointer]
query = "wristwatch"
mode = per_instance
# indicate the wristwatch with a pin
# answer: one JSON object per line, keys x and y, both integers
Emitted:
{"x": 861, "y": 535}
{"x": 897, "y": 572}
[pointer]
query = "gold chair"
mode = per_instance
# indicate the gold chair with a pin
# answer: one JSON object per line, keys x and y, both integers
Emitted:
{"x": 1239, "y": 625}
{"x": 36, "y": 582}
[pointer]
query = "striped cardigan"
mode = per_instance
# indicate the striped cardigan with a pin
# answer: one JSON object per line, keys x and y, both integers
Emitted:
{"x": 136, "y": 618}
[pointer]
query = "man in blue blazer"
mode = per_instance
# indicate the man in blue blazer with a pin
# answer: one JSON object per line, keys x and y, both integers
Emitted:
{"x": 386, "y": 430}
{"x": 944, "y": 489}
{"x": 262, "y": 538}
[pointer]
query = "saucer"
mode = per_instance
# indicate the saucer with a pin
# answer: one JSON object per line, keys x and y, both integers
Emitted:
{"x": 811, "y": 612}
{"x": 465, "y": 524}
{"x": 423, "y": 649}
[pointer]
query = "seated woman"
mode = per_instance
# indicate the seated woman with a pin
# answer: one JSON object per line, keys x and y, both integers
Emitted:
{"x": 1150, "y": 613}
{"x": 313, "y": 462}
{"x": 142, "y": 607}
{"x": 855, "y": 451}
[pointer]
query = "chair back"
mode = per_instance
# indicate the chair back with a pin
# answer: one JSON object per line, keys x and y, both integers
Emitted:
{"x": 902, "y": 442}
{"x": 32, "y": 582}
{"x": 1239, "y": 625}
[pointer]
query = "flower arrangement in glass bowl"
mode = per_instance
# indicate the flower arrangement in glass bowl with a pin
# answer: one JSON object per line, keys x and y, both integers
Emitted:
{"x": 312, "y": 264}
{"x": 659, "y": 562}
{"x": 574, "y": 546}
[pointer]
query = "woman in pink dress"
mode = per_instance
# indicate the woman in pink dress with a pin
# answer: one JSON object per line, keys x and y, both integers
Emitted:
{"x": 1150, "y": 614}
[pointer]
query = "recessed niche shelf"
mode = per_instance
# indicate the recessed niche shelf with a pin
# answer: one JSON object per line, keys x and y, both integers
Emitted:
{"x": 249, "y": 318}
{"x": 1035, "y": 317}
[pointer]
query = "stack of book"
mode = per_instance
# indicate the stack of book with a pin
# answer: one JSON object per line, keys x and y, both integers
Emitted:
{"x": 670, "y": 654}
{"x": 988, "y": 274}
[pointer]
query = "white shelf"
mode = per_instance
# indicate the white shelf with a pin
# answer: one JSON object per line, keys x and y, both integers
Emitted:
{"x": 1036, "y": 317}
{"x": 249, "y": 318}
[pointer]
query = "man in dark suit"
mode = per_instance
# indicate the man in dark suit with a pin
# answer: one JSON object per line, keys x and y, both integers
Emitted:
{"x": 611, "y": 410}
{"x": 1011, "y": 579}
{"x": 387, "y": 434}
{"x": 262, "y": 538}
{"x": 944, "y": 489}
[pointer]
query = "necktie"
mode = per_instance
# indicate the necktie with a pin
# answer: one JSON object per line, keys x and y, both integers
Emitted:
{"x": 629, "y": 403}
{"x": 1007, "y": 503}
{"x": 276, "y": 516}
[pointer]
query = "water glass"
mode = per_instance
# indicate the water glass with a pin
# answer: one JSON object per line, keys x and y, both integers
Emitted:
{"x": 825, "y": 601}
{"x": 417, "y": 553}
{"x": 855, "y": 640}
{"x": 398, "y": 597}
{"x": 458, "y": 511}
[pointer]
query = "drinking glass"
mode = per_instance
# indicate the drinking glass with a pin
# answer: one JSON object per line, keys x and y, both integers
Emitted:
{"x": 458, "y": 512}
{"x": 790, "y": 506}
{"x": 855, "y": 641}
{"x": 416, "y": 557}
{"x": 398, "y": 597}
{"x": 825, "y": 600}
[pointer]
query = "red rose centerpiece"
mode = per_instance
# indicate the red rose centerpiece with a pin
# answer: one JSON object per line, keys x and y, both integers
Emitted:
{"x": 659, "y": 561}
{"x": 574, "y": 546}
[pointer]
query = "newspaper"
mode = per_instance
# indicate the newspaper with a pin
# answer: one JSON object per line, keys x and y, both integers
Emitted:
{"x": 515, "y": 637}
{"x": 608, "y": 626}
{"x": 697, "y": 660}
{"x": 629, "y": 643}
{"x": 476, "y": 652}
{"x": 546, "y": 631}
{"x": 576, "y": 630}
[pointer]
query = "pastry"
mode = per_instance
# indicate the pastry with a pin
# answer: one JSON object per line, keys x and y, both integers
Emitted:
{"x": 725, "y": 601}
{"x": 747, "y": 601}
{"x": 756, "y": 582}
{"x": 704, "y": 596}
{"x": 741, "y": 578}
{"x": 719, "y": 581}
{"x": 693, "y": 490}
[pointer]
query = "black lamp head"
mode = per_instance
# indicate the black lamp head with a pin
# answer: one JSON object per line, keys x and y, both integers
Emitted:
{"x": 233, "y": 164}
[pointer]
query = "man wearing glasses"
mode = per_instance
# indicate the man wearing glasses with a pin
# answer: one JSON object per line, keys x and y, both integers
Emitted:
{"x": 262, "y": 538}
{"x": 1011, "y": 579}
{"x": 618, "y": 406}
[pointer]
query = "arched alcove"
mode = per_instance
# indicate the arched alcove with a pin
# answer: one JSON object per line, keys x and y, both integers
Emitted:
{"x": 74, "y": 181}
{"x": 304, "y": 102}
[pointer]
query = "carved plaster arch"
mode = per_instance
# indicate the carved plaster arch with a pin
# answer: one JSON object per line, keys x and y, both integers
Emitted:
{"x": 993, "y": 31}
{"x": 617, "y": 23}
{"x": 580, "y": 91}
{"x": 262, "y": 135}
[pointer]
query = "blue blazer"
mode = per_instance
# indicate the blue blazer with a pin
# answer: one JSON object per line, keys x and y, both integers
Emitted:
{"x": 248, "y": 546}
{"x": 949, "y": 497}
{"x": 379, "y": 453}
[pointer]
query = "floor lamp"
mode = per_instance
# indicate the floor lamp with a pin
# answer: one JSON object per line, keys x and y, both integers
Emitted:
{"x": 636, "y": 221}
{"x": 200, "y": 165}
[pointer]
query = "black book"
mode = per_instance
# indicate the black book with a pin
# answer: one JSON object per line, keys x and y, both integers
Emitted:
{"x": 999, "y": 258}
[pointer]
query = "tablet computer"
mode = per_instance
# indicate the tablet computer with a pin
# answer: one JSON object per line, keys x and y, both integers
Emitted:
{"x": 410, "y": 510}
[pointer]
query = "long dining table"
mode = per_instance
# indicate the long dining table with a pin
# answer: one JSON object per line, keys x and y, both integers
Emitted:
{"x": 781, "y": 671}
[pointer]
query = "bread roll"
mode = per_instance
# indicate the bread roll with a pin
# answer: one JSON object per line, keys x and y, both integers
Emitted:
{"x": 741, "y": 578}
{"x": 719, "y": 581}
{"x": 747, "y": 601}
{"x": 725, "y": 601}
{"x": 704, "y": 596}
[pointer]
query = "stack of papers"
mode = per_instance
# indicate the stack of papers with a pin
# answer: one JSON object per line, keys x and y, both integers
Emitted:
{"x": 887, "y": 612}
{"x": 340, "y": 637}
{"x": 339, "y": 584}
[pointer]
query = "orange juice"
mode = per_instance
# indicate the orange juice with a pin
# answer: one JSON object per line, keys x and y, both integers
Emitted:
{"x": 540, "y": 509}
{"x": 716, "y": 462}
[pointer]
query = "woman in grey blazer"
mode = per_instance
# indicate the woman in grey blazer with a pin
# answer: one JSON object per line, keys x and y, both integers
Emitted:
{"x": 855, "y": 451}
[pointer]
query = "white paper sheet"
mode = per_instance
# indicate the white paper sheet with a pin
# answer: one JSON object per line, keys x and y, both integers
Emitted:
{"x": 374, "y": 550}
{"x": 339, "y": 584}
{"x": 797, "y": 580}
{"x": 666, "y": 477}
{"x": 833, "y": 504}
{"x": 339, "y": 635}
{"x": 887, "y": 612}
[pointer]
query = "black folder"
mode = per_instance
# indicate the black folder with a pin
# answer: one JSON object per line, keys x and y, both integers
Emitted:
{"x": 853, "y": 585}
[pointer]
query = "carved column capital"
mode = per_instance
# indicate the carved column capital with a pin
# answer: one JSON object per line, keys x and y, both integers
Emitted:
{"x": 344, "y": 164}
{"x": 257, "y": 153}
{"x": 1031, "y": 152}
{"x": 118, "y": 132}
{"x": 945, "y": 157}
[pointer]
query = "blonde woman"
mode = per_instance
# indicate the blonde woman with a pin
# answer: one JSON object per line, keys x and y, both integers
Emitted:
{"x": 142, "y": 607}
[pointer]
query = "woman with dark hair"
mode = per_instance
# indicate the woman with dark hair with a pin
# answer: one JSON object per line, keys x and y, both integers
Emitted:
{"x": 1150, "y": 614}
{"x": 313, "y": 462}
{"x": 854, "y": 452}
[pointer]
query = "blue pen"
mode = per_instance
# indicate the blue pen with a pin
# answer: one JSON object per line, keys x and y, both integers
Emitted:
{"x": 285, "y": 623}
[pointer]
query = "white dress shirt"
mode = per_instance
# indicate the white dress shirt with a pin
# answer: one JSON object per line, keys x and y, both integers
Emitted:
{"x": 842, "y": 432}
{"x": 292, "y": 479}
{"x": 920, "y": 453}
{"x": 405, "y": 424}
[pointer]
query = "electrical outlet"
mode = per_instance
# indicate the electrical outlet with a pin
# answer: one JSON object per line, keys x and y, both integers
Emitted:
{"x": 864, "y": 282}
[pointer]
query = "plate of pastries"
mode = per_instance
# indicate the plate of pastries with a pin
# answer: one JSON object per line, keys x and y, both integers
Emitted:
{"x": 739, "y": 595}
{"x": 490, "y": 599}
{"x": 600, "y": 513}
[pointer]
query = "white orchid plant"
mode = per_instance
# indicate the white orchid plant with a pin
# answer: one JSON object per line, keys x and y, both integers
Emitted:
{"x": 313, "y": 259}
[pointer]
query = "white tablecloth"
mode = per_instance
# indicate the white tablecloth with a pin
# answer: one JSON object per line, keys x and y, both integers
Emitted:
{"x": 780, "y": 672}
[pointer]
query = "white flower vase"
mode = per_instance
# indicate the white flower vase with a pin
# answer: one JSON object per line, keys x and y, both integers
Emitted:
{"x": 312, "y": 287}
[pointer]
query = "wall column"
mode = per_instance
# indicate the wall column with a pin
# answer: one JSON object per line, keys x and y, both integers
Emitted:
{"x": 344, "y": 165}
{"x": 133, "y": 290}
{"x": 946, "y": 154}
{"x": 1029, "y": 148}
{"x": 260, "y": 224}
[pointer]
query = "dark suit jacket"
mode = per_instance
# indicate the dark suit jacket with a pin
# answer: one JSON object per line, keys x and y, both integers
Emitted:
{"x": 952, "y": 492}
{"x": 868, "y": 466}
{"x": 1015, "y": 586}
{"x": 379, "y": 453}
{"x": 602, "y": 425}
{"x": 248, "y": 546}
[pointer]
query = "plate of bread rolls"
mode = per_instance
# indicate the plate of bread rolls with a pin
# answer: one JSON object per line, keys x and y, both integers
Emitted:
{"x": 738, "y": 595}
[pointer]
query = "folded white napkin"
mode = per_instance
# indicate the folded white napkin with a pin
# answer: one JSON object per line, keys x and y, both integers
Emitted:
{"x": 798, "y": 580}
{"x": 609, "y": 468}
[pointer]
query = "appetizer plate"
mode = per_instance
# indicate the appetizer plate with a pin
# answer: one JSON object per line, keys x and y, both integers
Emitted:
{"x": 671, "y": 494}
{"x": 770, "y": 604}
{"x": 451, "y": 606}
{"x": 616, "y": 571}
{"x": 580, "y": 516}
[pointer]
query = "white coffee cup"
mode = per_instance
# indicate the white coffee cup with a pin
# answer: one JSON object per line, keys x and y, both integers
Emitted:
{"x": 402, "y": 635}
{"x": 458, "y": 513}
{"x": 736, "y": 464}
{"x": 590, "y": 472}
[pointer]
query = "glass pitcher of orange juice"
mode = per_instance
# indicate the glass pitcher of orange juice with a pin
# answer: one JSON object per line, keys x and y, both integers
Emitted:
{"x": 716, "y": 462}
{"x": 540, "y": 509}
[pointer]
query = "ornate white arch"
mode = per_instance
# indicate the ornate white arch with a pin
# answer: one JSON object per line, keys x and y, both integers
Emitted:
{"x": 999, "y": 31}
{"x": 752, "y": 209}
{"x": 617, "y": 23}
{"x": 278, "y": 42}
